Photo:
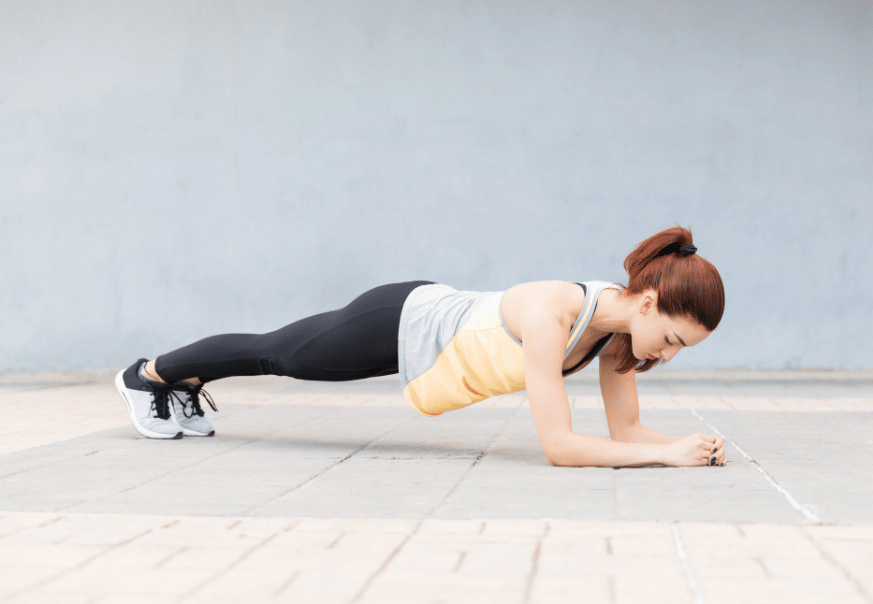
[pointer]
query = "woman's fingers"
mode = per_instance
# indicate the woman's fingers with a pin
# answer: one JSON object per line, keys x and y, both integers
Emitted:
{"x": 705, "y": 450}
{"x": 707, "y": 446}
{"x": 719, "y": 451}
{"x": 698, "y": 450}
{"x": 718, "y": 457}
{"x": 715, "y": 444}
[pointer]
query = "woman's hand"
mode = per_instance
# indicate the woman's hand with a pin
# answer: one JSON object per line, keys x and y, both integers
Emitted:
{"x": 695, "y": 450}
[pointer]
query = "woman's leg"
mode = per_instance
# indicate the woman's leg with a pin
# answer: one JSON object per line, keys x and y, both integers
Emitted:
{"x": 355, "y": 342}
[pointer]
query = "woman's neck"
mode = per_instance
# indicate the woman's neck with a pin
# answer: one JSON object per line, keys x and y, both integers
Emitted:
{"x": 613, "y": 313}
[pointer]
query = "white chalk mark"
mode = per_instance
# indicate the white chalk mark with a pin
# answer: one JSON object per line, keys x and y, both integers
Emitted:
{"x": 779, "y": 488}
{"x": 689, "y": 574}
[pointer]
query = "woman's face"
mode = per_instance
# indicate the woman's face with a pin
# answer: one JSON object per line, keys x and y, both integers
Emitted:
{"x": 655, "y": 335}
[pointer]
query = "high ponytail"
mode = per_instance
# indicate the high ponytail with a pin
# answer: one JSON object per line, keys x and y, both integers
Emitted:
{"x": 687, "y": 286}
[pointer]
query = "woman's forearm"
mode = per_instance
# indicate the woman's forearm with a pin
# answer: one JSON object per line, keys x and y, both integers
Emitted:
{"x": 639, "y": 433}
{"x": 574, "y": 449}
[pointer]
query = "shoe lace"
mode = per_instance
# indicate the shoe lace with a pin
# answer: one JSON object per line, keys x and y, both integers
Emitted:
{"x": 194, "y": 398}
{"x": 161, "y": 402}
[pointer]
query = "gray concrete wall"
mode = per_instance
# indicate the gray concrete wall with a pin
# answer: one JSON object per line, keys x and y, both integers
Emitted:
{"x": 174, "y": 169}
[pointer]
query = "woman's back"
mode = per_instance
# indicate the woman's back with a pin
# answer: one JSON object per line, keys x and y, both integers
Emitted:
{"x": 456, "y": 348}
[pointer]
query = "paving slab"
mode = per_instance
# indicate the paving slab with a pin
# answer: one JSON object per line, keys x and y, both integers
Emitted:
{"x": 342, "y": 493}
{"x": 292, "y": 460}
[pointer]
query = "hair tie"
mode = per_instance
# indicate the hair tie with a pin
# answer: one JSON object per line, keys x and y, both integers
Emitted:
{"x": 687, "y": 250}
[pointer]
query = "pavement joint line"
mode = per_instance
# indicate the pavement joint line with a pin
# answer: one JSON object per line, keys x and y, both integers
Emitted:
{"x": 332, "y": 466}
{"x": 180, "y": 469}
{"x": 151, "y": 480}
{"x": 25, "y": 528}
{"x": 81, "y": 565}
{"x": 360, "y": 593}
{"x": 328, "y": 411}
{"x": 726, "y": 402}
{"x": 610, "y": 588}
{"x": 779, "y": 488}
{"x": 286, "y": 584}
{"x": 859, "y": 586}
{"x": 693, "y": 585}
{"x": 221, "y": 571}
{"x": 57, "y": 516}
{"x": 618, "y": 490}
{"x": 478, "y": 459}
{"x": 534, "y": 565}
{"x": 51, "y": 463}
{"x": 171, "y": 556}
{"x": 60, "y": 440}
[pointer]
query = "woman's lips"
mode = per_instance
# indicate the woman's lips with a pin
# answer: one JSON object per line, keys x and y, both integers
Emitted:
{"x": 653, "y": 357}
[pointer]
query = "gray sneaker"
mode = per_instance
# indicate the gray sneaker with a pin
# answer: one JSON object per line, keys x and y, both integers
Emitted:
{"x": 187, "y": 412}
{"x": 148, "y": 404}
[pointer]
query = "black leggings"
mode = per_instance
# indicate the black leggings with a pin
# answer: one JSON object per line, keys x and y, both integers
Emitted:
{"x": 353, "y": 343}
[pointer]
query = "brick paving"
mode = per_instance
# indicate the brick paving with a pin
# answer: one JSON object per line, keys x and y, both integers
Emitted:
{"x": 91, "y": 512}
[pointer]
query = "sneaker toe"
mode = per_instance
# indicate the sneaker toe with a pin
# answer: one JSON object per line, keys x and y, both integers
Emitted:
{"x": 161, "y": 426}
{"x": 197, "y": 426}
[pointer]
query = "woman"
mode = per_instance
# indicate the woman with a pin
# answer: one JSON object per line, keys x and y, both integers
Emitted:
{"x": 453, "y": 349}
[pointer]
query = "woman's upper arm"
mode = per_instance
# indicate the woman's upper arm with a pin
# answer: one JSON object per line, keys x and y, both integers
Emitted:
{"x": 545, "y": 327}
{"x": 619, "y": 392}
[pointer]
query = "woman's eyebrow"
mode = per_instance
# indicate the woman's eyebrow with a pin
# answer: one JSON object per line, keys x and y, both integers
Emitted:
{"x": 680, "y": 339}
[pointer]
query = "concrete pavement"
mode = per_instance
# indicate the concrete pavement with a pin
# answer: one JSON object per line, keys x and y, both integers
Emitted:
{"x": 342, "y": 493}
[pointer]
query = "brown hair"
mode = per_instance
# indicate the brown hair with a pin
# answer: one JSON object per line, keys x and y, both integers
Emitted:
{"x": 687, "y": 286}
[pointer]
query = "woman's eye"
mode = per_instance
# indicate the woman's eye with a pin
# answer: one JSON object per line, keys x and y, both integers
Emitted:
{"x": 666, "y": 339}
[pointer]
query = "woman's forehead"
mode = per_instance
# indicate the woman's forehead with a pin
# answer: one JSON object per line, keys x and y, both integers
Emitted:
{"x": 687, "y": 329}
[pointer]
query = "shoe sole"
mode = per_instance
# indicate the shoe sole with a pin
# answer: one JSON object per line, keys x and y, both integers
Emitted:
{"x": 186, "y": 431}
{"x": 122, "y": 390}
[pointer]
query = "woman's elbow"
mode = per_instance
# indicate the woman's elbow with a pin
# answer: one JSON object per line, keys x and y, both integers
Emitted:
{"x": 556, "y": 458}
{"x": 625, "y": 433}
{"x": 553, "y": 451}
{"x": 560, "y": 453}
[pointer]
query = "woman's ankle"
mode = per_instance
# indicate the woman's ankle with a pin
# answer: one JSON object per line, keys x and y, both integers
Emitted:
{"x": 152, "y": 373}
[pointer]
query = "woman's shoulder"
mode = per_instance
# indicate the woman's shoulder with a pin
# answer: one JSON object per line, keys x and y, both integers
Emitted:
{"x": 548, "y": 290}
{"x": 564, "y": 298}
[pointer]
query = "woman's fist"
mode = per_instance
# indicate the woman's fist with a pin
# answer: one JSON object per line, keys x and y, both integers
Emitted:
{"x": 695, "y": 450}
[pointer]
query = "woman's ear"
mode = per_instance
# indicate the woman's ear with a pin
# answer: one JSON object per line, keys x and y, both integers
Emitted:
{"x": 649, "y": 302}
